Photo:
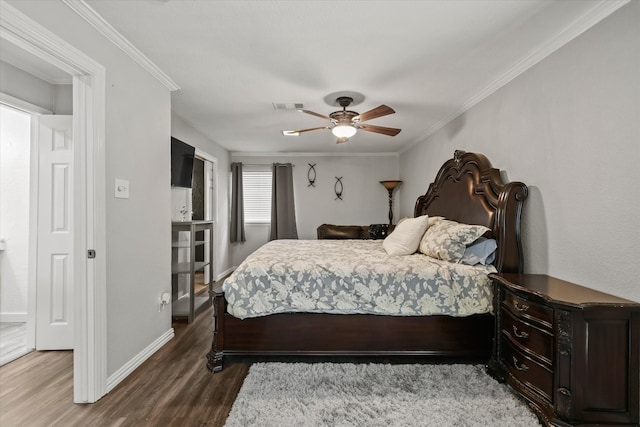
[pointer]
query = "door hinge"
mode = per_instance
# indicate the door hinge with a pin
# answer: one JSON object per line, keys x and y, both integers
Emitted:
{"x": 91, "y": 253}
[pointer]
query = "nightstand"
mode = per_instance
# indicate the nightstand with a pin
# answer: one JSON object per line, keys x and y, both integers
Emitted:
{"x": 572, "y": 352}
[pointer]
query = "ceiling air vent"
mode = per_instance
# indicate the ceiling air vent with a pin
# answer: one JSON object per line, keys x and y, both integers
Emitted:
{"x": 288, "y": 106}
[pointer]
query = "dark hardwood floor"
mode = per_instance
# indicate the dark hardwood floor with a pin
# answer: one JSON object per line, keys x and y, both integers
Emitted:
{"x": 172, "y": 388}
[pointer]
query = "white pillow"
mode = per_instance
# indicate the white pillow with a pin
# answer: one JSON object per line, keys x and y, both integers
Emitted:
{"x": 406, "y": 236}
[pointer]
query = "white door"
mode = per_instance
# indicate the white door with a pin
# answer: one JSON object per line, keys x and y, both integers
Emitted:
{"x": 54, "y": 272}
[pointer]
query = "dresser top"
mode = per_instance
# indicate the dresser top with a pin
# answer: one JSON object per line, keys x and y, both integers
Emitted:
{"x": 553, "y": 289}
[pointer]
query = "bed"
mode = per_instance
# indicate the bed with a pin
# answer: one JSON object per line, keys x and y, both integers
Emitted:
{"x": 467, "y": 189}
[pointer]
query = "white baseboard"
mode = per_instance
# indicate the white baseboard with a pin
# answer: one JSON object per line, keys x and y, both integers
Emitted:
{"x": 224, "y": 273}
{"x": 13, "y": 317}
{"x": 133, "y": 364}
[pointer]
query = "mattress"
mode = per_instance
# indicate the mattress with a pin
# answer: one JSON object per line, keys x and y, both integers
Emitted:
{"x": 353, "y": 277}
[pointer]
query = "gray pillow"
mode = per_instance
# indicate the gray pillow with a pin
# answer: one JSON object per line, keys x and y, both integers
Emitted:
{"x": 447, "y": 240}
{"x": 482, "y": 251}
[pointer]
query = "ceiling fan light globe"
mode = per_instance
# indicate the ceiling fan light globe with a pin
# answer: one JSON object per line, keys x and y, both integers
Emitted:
{"x": 343, "y": 131}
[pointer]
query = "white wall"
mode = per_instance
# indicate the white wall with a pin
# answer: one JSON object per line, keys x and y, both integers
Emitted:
{"x": 137, "y": 145}
{"x": 182, "y": 130}
{"x": 570, "y": 129}
{"x": 364, "y": 199}
{"x": 25, "y": 86}
{"x": 63, "y": 99}
{"x": 15, "y": 148}
{"x": 29, "y": 88}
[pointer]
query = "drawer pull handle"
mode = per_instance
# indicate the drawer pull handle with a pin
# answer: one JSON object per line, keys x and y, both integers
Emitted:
{"x": 563, "y": 391}
{"x": 519, "y": 366}
{"x": 520, "y": 307}
{"x": 519, "y": 334}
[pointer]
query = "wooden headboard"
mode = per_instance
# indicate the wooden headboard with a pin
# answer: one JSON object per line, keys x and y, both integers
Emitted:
{"x": 469, "y": 190}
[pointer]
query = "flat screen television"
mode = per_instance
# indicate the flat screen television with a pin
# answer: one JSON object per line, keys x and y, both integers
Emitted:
{"x": 181, "y": 163}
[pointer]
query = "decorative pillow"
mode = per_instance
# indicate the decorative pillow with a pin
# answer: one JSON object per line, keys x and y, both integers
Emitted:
{"x": 434, "y": 219}
{"x": 404, "y": 218}
{"x": 447, "y": 240}
{"x": 406, "y": 236}
{"x": 482, "y": 251}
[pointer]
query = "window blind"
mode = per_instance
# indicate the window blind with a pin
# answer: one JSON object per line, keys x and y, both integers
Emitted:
{"x": 257, "y": 194}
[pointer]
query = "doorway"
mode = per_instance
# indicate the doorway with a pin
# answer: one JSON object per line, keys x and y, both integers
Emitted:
{"x": 15, "y": 137}
{"x": 37, "y": 229}
{"x": 203, "y": 201}
{"x": 88, "y": 185}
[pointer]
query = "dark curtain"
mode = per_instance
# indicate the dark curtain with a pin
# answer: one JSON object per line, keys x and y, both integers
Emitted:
{"x": 283, "y": 210}
{"x": 237, "y": 204}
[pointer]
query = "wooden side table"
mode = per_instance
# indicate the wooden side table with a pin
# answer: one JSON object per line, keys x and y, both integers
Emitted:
{"x": 189, "y": 303}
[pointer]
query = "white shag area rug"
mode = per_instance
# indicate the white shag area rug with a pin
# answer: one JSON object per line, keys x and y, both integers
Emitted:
{"x": 344, "y": 394}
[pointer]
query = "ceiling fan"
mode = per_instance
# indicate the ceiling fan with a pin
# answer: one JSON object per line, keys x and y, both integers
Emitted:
{"x": 345, "y": 123}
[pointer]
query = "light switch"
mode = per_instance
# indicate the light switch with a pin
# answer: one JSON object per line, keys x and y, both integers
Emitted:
{"x": 122, "y": 189}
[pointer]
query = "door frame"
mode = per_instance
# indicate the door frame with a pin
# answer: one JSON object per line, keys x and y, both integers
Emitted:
{"x": 214, "y": 212}
{"x": 89, "y": 352}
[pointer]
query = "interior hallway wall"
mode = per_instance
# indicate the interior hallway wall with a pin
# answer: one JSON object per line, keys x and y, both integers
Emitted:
{"x": 57, "y": 98}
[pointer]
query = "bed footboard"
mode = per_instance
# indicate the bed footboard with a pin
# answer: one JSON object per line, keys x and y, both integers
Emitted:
{"x": 315, "y": 334}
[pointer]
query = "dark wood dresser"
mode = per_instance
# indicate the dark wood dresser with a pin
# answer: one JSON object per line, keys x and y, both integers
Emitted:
{"x": 572, "y": 352}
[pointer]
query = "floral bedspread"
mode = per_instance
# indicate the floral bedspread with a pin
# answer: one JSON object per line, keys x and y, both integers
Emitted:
{"x": 353, "y": 276}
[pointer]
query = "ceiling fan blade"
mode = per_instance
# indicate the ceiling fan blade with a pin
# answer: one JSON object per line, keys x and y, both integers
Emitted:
{"x": 380, "y": 129}
{"x": 298, "y": 132}
{"x": 380, "y": 111}
{"x": 340, "y": 140}
{"x": 313, "y": 113}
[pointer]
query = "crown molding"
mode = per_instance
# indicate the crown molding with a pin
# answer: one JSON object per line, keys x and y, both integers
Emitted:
{"x": 596, "y": 14}
{"x": 103, "y": 27}
{"x": 310, "y": 154}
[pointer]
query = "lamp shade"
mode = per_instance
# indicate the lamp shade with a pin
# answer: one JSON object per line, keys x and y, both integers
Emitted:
{"x": 343, "y": 131}
{"x": 390, "y": 184}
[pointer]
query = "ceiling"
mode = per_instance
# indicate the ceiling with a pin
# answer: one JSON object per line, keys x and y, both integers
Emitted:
{"x": 428, "y": 60}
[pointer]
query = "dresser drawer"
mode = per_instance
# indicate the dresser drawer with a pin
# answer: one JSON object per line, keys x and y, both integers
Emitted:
{"x": 531, "y": 339}
{"x": 532, "y": 374}
{"x": 527, "y": 309}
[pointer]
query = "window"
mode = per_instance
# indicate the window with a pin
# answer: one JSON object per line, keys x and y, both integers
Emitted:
{"x": 256, "y": 182}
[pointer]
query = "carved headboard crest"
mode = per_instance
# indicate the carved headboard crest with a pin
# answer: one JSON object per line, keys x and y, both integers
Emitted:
{"x": 457, "y": 156}
{"x": 469, "y": 190}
